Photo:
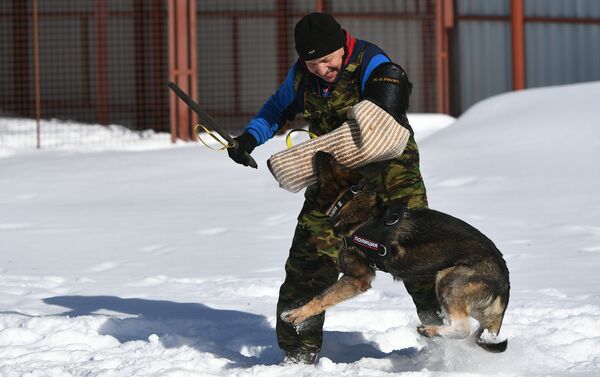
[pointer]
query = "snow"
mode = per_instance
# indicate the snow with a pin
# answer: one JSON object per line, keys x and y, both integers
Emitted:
{"x": 157, "y": 260}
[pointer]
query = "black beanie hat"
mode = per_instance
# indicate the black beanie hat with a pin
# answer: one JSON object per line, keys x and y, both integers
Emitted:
{"x": 317, "y": 35}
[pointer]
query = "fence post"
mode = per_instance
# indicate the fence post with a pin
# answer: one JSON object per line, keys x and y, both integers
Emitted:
{"x": 444, "y": 14}
{"x": 182, "y": 65}
{"x": 518, "y": 44}
{"x": 321, "y": 6}
{"x": 101, "y": 19}
{"x": 36, "y": 72}
{"x": 283, "y": 35}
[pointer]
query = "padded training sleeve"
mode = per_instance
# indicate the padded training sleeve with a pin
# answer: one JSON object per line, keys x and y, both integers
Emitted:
{"x": 389, "y": 88}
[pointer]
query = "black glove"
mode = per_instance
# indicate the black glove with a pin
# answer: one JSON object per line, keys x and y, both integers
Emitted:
{"x": 246, "y": 144}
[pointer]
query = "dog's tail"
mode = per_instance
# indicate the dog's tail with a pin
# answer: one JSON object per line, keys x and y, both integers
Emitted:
{"x": 487, "y": 335}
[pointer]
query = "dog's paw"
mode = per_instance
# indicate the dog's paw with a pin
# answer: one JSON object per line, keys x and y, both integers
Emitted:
{"x": 428, "y": 331}
{"x": 294, "y": 316}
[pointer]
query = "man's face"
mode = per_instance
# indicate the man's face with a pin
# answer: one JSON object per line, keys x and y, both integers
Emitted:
{"x": 328, "y": 66}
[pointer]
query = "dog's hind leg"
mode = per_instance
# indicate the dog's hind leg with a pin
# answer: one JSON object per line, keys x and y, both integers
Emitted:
{"x": 453, "y": 295}
{"x": 490, "y": 320}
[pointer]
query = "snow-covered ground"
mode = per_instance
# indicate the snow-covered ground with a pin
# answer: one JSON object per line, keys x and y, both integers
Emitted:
{"x": 168, "y": 261}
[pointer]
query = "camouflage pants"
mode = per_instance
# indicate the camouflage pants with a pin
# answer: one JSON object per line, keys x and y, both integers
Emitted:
{"x": 312, "y": 264}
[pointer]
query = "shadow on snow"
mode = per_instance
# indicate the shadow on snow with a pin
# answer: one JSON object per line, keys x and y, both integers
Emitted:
{"x": 244, "y": 338}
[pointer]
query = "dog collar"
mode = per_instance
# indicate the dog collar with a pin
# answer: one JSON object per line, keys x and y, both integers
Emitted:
{"x": 343, "y": 199}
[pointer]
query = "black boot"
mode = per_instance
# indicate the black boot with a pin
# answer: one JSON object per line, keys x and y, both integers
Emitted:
{"x": 300, "y": 357}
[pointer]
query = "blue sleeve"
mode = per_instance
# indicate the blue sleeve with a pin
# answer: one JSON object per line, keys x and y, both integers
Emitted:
{"x": 279, "y": 106}
{"x": 373, "y": 63}
{"x": 374, "y": 56}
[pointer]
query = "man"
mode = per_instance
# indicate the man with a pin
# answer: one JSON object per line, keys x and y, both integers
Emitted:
{"x": 334, "y": 72}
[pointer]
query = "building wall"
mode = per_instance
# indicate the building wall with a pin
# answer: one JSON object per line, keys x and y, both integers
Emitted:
{"x": 561, "y": 46}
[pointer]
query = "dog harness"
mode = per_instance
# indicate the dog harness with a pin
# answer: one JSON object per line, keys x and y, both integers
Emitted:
{"x": 373, "y": 238}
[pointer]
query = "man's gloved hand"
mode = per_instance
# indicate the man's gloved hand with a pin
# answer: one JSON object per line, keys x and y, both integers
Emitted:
{"x": 246, "y": 143}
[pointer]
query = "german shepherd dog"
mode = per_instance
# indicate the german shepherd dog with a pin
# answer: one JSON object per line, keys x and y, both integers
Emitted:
{"x": 470, "y": 273}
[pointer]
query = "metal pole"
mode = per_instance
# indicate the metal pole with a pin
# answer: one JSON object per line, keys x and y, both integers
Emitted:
{"x": 102, "y": 102}
{"x": 321, "y": 6}
{"x": 283, "y": 33}
{"x": 182, "y": 65}
{"x": 36, "y": 64}
{"x": 518, "y": 44}
{"x": 445, "y": 22}
{"x": 172, "y": 70}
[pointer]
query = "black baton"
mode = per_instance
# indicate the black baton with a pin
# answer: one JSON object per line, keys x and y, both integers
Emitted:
{"x": 209, "y": 122}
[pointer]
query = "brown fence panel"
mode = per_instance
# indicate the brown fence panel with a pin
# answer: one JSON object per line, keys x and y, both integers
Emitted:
{"x": 100, "y": 62}
{"x": 245, "y": 48}
{"x": 106, "y": 62}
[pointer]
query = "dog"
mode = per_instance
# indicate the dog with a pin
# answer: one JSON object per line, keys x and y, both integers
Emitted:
{"x": 471, "y": 276}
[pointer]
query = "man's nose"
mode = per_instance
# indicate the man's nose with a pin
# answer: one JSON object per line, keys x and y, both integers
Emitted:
{"x": 322, "y": 69}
